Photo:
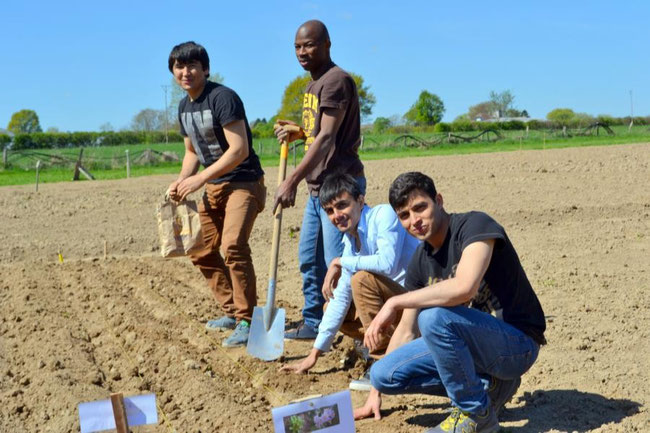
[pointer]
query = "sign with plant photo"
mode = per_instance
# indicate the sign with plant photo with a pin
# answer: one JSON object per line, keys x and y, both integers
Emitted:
{"x": 329, "y": 414}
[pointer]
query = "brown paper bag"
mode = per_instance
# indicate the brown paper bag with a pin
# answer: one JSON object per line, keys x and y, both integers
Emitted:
{"x": 179, "y": 228}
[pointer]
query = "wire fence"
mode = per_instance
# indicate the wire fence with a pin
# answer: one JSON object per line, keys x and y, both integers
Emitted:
{"x": 110, "y": 157}
{"x": 68, "y": 158}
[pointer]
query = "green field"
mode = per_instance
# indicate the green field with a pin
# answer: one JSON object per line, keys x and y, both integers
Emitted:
{"x": 110, "y": 162}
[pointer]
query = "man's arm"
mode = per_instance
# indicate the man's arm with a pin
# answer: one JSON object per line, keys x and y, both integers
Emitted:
{"x": 447, "y": 293}
{"x": 235, "y": 133}
{"x": 407, "y": 330}
{"x": 454, "y": 291}
{"x": 333, "y": 318}
{"x": 330, "y": 123}
{"x": 189, "y": 167}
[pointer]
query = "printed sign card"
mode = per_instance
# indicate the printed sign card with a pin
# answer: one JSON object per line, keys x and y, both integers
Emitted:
{"x": 98, "y": 415}
{"x": 329, "y": 414}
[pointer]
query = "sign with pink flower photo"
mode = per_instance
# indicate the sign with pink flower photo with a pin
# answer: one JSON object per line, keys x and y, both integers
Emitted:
{"x": 329, "y": 414}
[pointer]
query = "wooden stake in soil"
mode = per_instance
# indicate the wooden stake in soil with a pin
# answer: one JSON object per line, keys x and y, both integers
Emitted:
{"x": 128, "y": 164}
{"x": 105, "y": 249}
{"x": 119, "y": 412}
{"x": 38, "y": 168}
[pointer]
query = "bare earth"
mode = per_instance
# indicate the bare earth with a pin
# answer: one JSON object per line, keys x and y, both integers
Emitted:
{"x": 132, "y": 322}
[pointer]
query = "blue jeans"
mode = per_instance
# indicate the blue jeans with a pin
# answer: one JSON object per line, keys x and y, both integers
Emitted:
{"x": 320, "y": 243}
{"x": 459, "y": 350}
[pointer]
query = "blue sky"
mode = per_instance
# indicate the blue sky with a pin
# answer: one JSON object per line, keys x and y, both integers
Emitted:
{"x": 80, "y": 64}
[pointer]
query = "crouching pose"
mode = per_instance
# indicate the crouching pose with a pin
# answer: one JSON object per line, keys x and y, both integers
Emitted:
{"x": 372, "y": 269}
{"x": 465, "y": 268}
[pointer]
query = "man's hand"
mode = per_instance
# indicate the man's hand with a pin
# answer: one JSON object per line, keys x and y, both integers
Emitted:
{"x": 302, "y": 366}
{"x": 287, "y": 134}
{"x": 172, "y": 191}
{"x": 372, "y": 406}
{"x": 285, "y": 196}
{"x": 188, "y": 186}
{"x": 379, "y": 324}
{"x": 332, "y": 278}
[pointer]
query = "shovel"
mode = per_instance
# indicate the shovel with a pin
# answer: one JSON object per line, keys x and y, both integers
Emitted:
{"x": 266, "y": 338}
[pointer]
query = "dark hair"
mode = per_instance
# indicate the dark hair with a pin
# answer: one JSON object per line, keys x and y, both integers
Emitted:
{"x": 406, "y": 183}
{"x": 188, "y": 52}
{"x": 336, "y": 184}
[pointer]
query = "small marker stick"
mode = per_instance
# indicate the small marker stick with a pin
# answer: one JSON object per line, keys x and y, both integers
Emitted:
{"x": 105, "y": 249}
{"x": 119, "y": 412}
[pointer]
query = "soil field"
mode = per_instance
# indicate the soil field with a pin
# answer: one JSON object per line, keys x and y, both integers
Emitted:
{"x": 131, "y": 321}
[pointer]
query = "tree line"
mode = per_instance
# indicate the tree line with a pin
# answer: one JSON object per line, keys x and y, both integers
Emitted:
{"x": 425, "y": 114}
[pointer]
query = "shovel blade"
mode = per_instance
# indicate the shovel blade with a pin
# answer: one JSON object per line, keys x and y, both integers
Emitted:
{"x": 263, "y": 344}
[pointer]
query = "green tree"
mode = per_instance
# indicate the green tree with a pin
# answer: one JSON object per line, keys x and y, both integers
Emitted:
{"x": 261, "y": 128}
{"x": 148, "y": 120}
{"x": 380, "y": 125}
{"x": 291, "y": 106}
{"x": 366, "y": 99}
{"x": 25, "y": 121}
{"x": 502, "y": 102}
{"x": 482, "y": 110}
{"x": 427, "y": 110}
{"x": 561, "y": 116}
{"x": 106, "y": 127}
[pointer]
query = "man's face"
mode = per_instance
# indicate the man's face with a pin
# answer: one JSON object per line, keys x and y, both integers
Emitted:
{"x": 345, "y": 212}
{"x": 312, "y": 53}
{"x": 420, "y": 216}
{"x": 190, "y": 76}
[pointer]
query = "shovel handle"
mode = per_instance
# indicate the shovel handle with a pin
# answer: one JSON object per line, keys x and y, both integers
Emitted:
{"x": 277, "y": 226}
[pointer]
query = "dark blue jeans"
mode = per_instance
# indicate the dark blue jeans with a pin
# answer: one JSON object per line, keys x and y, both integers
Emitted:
{"x": 320, "y": 243}
{"x": 459, "y": 350}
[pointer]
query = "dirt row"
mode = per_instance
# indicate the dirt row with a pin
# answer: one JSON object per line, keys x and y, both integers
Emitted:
{"x": 132, "y": 322}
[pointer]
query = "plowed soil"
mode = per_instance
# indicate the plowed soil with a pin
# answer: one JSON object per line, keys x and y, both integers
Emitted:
{"x": 130, "y": 321}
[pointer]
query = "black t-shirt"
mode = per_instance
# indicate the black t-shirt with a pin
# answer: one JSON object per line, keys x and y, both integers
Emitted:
{"x": 504, "y": 282}
{"x": 203, "y": 119}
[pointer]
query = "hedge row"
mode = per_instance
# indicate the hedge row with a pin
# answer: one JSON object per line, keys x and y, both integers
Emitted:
{"x": 52, "y": 140}
{"x": 514, "y": 125}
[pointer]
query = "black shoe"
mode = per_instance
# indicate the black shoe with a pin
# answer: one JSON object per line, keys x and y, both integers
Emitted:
{"x": 302, "y": 332}
{"x": 501, "y": 392}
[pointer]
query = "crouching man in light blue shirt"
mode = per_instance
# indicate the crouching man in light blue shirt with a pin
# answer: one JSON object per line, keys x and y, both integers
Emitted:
{"x": 376, "y": 253}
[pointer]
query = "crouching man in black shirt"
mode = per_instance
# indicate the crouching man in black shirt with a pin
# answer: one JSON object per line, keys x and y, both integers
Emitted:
{"x": 465, "y": 269}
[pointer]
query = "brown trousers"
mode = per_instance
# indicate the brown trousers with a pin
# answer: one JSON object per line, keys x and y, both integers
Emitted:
{"x": 369, "y": 293}
{"x": 228, "y": 211}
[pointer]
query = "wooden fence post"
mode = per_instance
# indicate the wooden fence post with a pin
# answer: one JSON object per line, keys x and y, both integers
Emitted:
{"x": 38, "y": 168}
{"x": 128, "y": 164}
{"x": 4, "y": 157}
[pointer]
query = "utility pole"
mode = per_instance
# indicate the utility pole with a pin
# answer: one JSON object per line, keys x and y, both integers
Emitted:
{"x": 165, "y": 89}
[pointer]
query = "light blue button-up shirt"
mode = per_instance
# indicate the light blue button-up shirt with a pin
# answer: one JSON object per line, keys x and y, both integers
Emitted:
{"x": 386, "y": 249}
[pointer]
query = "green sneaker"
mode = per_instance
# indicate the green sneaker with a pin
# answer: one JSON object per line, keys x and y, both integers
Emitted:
{"x": 462, "y": 422}
{"x": 238, "y": 337}
{"x": 223, "y": 322}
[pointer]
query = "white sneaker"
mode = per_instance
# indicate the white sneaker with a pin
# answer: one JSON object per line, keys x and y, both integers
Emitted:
{"x": 362, "y": 383}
